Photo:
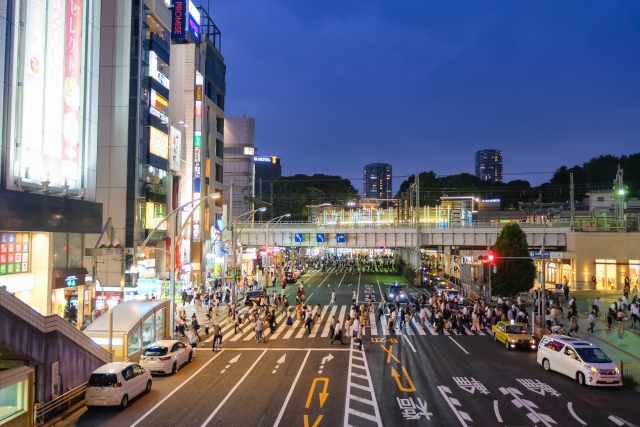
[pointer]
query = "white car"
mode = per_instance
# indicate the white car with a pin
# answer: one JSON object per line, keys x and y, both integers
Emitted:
{"x": 579, "y": 360}
{"x": 166, "y": 356}
{"x": 116, "y": 384}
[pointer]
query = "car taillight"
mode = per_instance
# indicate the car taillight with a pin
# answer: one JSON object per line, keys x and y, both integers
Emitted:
{"x": 117, "y": 385}
{"x": 165, "y": 358}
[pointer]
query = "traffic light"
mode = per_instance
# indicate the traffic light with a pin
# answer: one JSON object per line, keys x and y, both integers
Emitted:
{"x": 490, "y": 257}
{"x": 480, "y": 258}
{"x": 495, "y": 269}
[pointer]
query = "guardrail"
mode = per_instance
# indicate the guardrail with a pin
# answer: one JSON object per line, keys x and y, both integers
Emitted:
{"x": 551, "y": 225}
{"x": 56, "y": 406}
{"x": 630, "y": 372}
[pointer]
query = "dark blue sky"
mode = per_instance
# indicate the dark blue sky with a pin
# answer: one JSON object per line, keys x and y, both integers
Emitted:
{"x": 424, "y": 84}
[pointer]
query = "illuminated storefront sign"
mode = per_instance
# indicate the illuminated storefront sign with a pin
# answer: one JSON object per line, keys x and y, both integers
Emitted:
{"x": 159, "y": 114}
{"x": 194, "y": 21}
{"x": 178, "y": 20}
{"x": 262, "y": 159}
{"x": 157, "y": 101}
{"x": 249, "y": 151}
{"x": 175, "y": 146}
{"x": 158, "y": 143}
{"x": 198, "y": 104}
{"x": 14, "y": 252}
{"x": 154, "y": 72}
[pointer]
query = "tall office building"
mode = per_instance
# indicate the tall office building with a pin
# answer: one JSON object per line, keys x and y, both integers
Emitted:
{"x": 377, "y": 182}
{"x": 489, "y": 165}
{"x": 268, "y": 170}
{"x": 239, "y": 150}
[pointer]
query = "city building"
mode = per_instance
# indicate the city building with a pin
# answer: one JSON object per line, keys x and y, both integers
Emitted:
{"x": 489, "y": 165}
{"x": 49, "y": 153}
{"x": 267, "y": 169}
{"x": 377, "y": 181}
{"x": 239, "y": 170}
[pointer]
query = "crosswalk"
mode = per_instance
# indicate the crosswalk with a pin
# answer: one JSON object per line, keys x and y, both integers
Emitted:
{"x": 378, "y": 327}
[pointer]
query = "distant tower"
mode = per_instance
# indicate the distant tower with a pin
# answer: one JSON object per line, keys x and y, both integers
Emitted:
{"x": 377, "y": 181}
{"x": 489, "y": 165}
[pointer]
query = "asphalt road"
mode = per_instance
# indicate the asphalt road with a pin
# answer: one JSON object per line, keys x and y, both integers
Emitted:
{"x": 408, "y": 377}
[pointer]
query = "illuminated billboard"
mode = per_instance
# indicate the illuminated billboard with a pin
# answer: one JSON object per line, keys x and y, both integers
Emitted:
{"x": 179, "y": 19}
{"x": 175, "y": 147}
{"x": 158, "y": 143}
{"x": 154, "y": 70}
{"x": 194, "y": 21}
{"x": 47, "y": 121}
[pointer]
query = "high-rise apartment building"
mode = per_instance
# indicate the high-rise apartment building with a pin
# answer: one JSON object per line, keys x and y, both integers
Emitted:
{"x": 377, "y": 181}
{"x": 489, "y": 165}
{"x": 239, "y": 150}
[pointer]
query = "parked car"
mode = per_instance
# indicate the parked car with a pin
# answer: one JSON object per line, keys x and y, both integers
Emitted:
{"x": 580, "y": 360}
{"x": 115, "y": 384}
{"x": 166, "y": 356}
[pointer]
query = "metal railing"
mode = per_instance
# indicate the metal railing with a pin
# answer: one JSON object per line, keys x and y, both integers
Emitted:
{"x": 60, "y": 404}
{"x": 550, "y": 226}
{"x": 630, "y": 372}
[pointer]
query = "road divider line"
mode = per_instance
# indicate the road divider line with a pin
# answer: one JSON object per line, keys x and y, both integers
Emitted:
{"x": 246, "y": 374}
{"x": 444, "y": 390}
{"x": 175, "y": 390}
{"x": 293, "y": 386}
{"x": 573, "y": 414}
{"x": 461, "y": 348}
{"x": 325, "y": 332}
{"x": 495, "y": 409}
{"x": 409, "y": 342}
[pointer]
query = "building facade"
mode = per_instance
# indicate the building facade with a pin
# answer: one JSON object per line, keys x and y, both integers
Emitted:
{"x": 49, "y": 71}
{"x": 489, "y": 165}
{"x": 268, "y": 169}
{"x": 239, "y": 170}
{"x": 378, "y": 181}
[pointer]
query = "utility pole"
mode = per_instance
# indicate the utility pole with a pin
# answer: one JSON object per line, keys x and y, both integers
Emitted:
{"x": 271, "y": 195}
{"x": 618, "y": 195}
{"x": 571, "y": 195}
{"x": 489, "y": 290}
{"x": 234, "y": 246}
{"x": 260, "y": 197}
{"x": 543, "y": 287}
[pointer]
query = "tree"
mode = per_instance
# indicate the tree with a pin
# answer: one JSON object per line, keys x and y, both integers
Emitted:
{"x": 513, "y": 275}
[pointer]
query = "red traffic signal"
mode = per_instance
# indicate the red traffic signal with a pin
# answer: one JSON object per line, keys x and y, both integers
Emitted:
{"x": 489, "y": 258}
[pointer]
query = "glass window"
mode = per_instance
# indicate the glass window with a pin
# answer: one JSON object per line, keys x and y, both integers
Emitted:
{"x": 12, "y": 400}
{"x": 102, "y": 380}
{"x": 593, "y": 355}
{"x": 160, "y": 319}
{"x": 569, "y": 351}
{"x": 60, "y": 250}
{"x": 148, "y": 335}
{"x": 133, "y": 341}
{"x": 127, "y": 373}
{"x": 634, "y": 272}
{"x": 75, "y": 250}
{"x": 606, "y": 276}
{"x": 137, "y": 370}
{"x": 554, "y": 345}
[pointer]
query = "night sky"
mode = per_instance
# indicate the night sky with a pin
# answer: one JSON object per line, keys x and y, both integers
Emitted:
{"x": 424, "y": 84}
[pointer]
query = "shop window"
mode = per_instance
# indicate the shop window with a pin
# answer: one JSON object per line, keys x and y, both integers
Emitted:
{"x": 75, "y": 250}
{"x": 551, "y": 273}
{"x": 155, "y": 213}
{"x": 60, "y": 250}
{"x": 634, "y": 272}
{"x": 160, "y": 319}
{"x": 606, "y": 275}
{"x": 13, "y": 401}
{"x": 155, "y": 179}
{"x": 133, "y": 341}
{"x": 148, "y": 334}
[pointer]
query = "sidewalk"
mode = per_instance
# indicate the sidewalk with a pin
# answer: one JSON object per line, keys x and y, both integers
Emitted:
{"x": 624, "y": 345}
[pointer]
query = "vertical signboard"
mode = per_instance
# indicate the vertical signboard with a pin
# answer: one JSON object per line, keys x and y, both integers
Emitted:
{"x": 175, "y": 146}
{"x": 194, "y": 21}
{"x": 179, "y": 20}
{"x": 73, "y": 63}
{"x": 197, "y": 153}
{"x": 32, "y": 89}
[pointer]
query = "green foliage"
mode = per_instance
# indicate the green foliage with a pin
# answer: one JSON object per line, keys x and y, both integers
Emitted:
{"x": 513, "y": 275}
{"x": 292, "y": 194}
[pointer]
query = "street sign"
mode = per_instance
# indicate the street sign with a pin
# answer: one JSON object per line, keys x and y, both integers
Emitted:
{"x": 547, "y": 255}
{"x": 341, "y": 238}
{"x": 559, "y": 286}
{"x": 298, "y": 238}
{"x": 320, "y": 237}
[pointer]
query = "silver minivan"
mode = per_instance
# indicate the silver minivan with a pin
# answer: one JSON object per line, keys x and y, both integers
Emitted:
{"x": 578, "y": 359}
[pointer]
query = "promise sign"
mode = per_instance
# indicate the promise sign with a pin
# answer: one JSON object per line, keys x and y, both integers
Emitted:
{"x": 179, "y": 20}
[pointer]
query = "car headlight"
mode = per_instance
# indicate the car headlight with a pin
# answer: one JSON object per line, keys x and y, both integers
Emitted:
{"x": 532, "y": 341}
{"x": 391, "y": 295}
{"x": 592, "y": 369}
{"x": 617, "y": 371}
{"x": 514, "y": 341}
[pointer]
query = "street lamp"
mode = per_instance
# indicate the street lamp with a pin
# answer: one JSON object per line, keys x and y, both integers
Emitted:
{"x": 171, "y": 219}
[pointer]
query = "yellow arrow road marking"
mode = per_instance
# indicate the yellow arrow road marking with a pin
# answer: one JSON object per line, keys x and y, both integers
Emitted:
{"x": 396, "y": 375}
{"x": 389, "y": 353}
{"x": 323, "y": 394}
{"x": 306, "y": 421}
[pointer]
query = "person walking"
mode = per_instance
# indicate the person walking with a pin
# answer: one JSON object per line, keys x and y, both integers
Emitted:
{"x": 592, "y": 321}
{"x": 217, "y": 337}
{"x": 332, "y": 327}
{"x": 236, "y": 324}
{"x": 620, "y": 319}
{"x": 289, "y": 321}
{"x": 403, "y": 321}
{"x": 308, "y": 323}
{"x": 573, "y": 326}
{"x": 333, "y": 298}
{"x": 338, "y": 333}
{"x": 193, "y": 341}
{"x": 355, "y": 327}
{"x": 359, "y": 336}
{"x": 596, "y": 306}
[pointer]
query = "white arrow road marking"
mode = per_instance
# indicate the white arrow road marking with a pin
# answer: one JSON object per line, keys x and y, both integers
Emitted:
{"x": 573, "y": 414}
{"x": 324, "y": 360}
{"x": 234, "y": 360}
{"x": 279, "y": 362}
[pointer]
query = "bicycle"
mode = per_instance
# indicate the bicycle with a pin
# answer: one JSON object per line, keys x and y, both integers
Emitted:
{"x": 260, "y": 337}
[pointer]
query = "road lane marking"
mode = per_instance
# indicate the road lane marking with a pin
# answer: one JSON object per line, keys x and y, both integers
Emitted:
{"x": 616, "y": 420}
{"x": 215, "y": 411}
{"x": 317, "y": 326}
{"x": 279, "y": 362}
{"x": 462, "y": 416}
{"x": 368, "y": 388}
{"x": 451, "y": 338}
{"x": 373, "y": 327}
{"x": 291, "y": 330}
{"x": 396, "y": 375}
{"x": 495, "y": 410}
{"x": 385, "y": 325}
{"x": 409, "y": 342}
{"x": 176, "y": 390}
{"x": 306, "y": 421}
{"x": 418, "y": 327}
{"x": 295, "y": 381}
{"x": 573, "y": 414}
{"x": 531, "y": 407}
{"x": 325, "y": 331}
{"x": 323, "y": 394}
{"x": 390, "y": 353}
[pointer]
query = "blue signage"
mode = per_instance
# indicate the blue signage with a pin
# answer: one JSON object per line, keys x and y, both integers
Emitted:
{"x": 341, "y": 238}
{"x": 194, "y": 27}
{"x": 179, "y": 15}
{"x": 320, "y": 237}
{"x": 298, "y": 238}
{"x": 538, "y": 255}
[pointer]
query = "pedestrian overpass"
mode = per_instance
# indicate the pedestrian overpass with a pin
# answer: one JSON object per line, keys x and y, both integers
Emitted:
{"x": 397, "y": 235}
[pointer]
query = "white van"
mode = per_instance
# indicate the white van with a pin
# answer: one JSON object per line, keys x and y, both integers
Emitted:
{"x": 116, "y": 384}
{"x": 579, "y": 360}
